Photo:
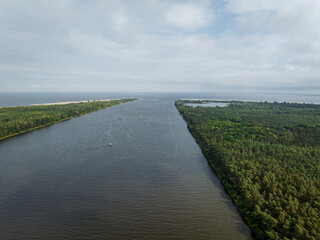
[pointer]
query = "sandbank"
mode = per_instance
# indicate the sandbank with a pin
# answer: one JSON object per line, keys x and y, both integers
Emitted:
{"x": 62, "y": 103}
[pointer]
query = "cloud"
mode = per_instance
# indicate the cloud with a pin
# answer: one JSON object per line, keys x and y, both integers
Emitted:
{"x": 189, "y": 16}
{"x": 294, "y": 18}
{"x": 160, "y": 44}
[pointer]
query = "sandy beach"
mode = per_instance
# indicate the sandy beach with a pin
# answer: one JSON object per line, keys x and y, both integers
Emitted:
{"x": 62, "y": 103}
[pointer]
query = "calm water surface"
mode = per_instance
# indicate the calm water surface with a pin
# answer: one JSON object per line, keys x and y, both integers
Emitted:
{"x": 210, "y": 104}
{"x": 65, "y": 182}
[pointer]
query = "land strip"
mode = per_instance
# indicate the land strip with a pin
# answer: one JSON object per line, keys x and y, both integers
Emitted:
{"x": 18, "y": 120}
{"x": 267, "y": 156}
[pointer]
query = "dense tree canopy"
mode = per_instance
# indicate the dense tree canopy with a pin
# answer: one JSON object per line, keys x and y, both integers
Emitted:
{"x": 267, "y": 156}
{"x": 15, "y": 120}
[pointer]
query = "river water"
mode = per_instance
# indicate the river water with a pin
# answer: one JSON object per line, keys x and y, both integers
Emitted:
{"x": 65, "y": 182}
{"x": 209, "y": 104}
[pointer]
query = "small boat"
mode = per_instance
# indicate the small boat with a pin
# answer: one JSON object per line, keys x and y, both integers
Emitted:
{"x": 110, "y": 144}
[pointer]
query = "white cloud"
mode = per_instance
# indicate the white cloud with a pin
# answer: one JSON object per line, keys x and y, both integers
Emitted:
{"x": 189, "y": 16}
{"x": 247, "y": 6}
{"x": 121, "y": 21}
{"x": 160, "y": 44}
{"x": 293, "y": 17}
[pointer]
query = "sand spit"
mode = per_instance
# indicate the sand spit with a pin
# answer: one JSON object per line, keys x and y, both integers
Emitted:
{"x": 63, "y": 103}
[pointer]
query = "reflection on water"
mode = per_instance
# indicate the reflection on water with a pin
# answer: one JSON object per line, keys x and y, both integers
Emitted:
{"x": 65, "y": 182}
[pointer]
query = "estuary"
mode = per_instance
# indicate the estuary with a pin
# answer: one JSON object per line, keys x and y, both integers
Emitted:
{"x": 65, "y": 181}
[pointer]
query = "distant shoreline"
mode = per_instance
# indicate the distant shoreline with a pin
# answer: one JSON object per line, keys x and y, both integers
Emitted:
{"x": 217, "y": 100}
{"x": 70, "y": 102}
{"x": 24, "y": 121}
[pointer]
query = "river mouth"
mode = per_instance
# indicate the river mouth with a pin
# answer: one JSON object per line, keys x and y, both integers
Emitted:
{"x": 65, "y": 182}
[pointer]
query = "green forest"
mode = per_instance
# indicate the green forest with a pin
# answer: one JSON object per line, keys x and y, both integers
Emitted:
{"x": 267, "y": 156}
{"x": 17, "y": 120}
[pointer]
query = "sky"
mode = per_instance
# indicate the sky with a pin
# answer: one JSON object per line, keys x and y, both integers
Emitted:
{"x": 160, "y": 46}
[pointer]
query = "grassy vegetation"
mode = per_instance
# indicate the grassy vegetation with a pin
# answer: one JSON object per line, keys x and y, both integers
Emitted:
{"x": 17, "y": 120}
{"x": 267, "y": 155}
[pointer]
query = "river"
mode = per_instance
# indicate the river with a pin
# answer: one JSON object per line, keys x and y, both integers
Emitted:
{"x": 65, "y": 182}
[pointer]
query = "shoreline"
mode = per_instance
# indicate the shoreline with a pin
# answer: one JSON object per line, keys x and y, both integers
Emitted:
{"x": 217, "y": 100}
{"x": 64, "y": 119}
{"x": 70, "y": 102}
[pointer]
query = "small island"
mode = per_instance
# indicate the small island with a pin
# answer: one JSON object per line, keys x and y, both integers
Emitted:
{"x": 267, "y": 156}
{"x": 17, "y": 120}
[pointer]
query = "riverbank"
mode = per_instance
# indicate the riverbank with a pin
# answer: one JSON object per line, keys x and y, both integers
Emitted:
{"x": 266, "y": 156}
{"x": 152, "y": 183}
{"x": 18, "y": 120}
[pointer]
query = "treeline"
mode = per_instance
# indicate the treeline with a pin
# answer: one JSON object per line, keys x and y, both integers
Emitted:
{"x": 15, "y": 120}
{"x": 267, "y": 156}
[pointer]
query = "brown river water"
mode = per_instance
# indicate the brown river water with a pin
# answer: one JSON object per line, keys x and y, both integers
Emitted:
{"x": 65, "y": 181}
